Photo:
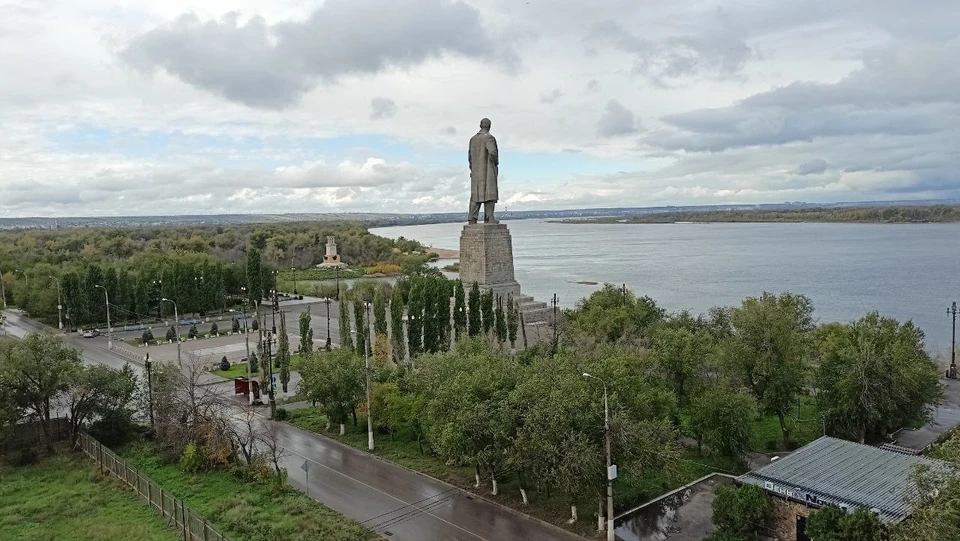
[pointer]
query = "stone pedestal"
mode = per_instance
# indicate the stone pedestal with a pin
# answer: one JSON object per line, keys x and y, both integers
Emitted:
{"x": 486, "y": 257}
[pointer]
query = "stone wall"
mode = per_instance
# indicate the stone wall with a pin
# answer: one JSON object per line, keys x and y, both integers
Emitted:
{"x": 785, "y": 513}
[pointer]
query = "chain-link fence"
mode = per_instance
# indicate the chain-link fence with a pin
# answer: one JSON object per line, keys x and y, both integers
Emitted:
{"x": 193, "y": 526}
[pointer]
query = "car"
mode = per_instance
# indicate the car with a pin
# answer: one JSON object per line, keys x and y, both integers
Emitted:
{"x": 92, "y": 333}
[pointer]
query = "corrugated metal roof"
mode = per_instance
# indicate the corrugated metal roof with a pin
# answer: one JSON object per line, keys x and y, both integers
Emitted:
{"x": 835, "y": 471}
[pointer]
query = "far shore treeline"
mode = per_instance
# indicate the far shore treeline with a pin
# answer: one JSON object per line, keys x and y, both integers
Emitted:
{"x": 894, "y": 215}
{"x": 203, "y": 268}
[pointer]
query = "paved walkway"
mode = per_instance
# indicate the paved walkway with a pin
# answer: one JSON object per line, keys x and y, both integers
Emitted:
{"x": 946, "y": 417}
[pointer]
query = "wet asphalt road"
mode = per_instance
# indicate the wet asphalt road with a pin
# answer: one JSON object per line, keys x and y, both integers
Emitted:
{"x": 395, "y": 502}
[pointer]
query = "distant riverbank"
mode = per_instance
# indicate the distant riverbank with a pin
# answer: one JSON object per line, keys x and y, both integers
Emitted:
{"x": 880, "y": 215}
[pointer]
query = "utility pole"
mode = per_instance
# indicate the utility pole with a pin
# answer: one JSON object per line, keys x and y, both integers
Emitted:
{"x": 59, "y": 303}
{"x": 953, "y": 341}
{"x": 294, "y": 270}
{"x": 328, "y": 325}
{"x": 106, "y": 298}
{"x": 176, "y": 329}
{"x": 366, "y": 355}
{"x": 3, "y": 292}
{"x": 611, "y": 469}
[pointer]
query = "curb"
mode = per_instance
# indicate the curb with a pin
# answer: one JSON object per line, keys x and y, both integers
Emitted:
{"x": 506, "y": 508}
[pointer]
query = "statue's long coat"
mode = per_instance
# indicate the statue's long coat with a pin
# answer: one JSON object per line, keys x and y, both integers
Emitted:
{"x": 484, "y": 164}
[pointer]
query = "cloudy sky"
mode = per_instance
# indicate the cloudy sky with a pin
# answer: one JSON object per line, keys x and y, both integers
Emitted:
{"x": 112, "y": 107}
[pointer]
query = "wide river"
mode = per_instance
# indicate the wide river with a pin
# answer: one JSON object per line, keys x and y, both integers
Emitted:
{"x": 908, "y": 271}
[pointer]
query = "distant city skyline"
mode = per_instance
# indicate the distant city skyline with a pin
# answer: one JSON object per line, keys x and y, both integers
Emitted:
{"x": 117, "y": 108}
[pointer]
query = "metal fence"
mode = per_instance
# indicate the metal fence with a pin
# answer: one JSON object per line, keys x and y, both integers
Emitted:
{"x": 193, "y": 526}
{"x": 29, "y": 434}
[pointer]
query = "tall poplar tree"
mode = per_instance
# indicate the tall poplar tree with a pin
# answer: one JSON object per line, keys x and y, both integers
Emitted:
{"x": 283, "y": 352}
{"x": 473, "y": 320}
{"x": 486, "y": 310}
{"x": 513, "y": 320}
{"x": 500, "y": 326}
{"x": 459, "y": 310}
{"x": 415, "y": 318}
{"x": 254, "y": 276}
{"x": 306, "y": 333}
{"x": 396, "y": 325}
{"x": 361, "y": 326}
{"x": 346, "y": 341}
{"x": 431, "y": 334}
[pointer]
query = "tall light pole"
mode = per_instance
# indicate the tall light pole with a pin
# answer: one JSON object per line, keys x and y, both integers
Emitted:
{"x": 59, "y": 302}
{"x": 611, "y": 470}
{"x": 328, "y": 324}
{"x": 3, "y": 292}
{"x": 294, "y": 270}
{"x": 106, "y": 298}
{"x": 176, "y": 328}
{"x": 246, "y": 337}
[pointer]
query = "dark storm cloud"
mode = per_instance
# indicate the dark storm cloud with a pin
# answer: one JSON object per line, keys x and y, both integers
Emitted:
{"x": 616, "y": 120}
{"x": 271, "y": 66}
{"x": 382, "y": 108}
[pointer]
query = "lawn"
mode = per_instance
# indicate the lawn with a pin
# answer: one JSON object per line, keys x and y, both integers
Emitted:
{"x": 240, "y": 369}
{"x": 65, "y": 498}
{"x": 552, "y": 507}
{"x": 244, "y": 511}
{"x": 804, "y": 425}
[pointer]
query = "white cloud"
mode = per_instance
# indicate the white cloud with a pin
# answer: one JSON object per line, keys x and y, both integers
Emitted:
{"x": 247, "y": 105}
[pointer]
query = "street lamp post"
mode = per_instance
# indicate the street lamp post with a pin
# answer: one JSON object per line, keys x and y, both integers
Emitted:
{"x": 328, "y": 324}
{"x": 611, "y": 472}
{"x": 953, "y": 341}
{"x": 294, "y": 270}
{"x": 268, "y": 349}
{"x": 337, "y": 271}
{"x": 147, "y": 364}
{"x": 106, "y": 298}
{"x": 176, "y": 328}
{"x": 59, "y": 303}
{"x": 3, "y": 292}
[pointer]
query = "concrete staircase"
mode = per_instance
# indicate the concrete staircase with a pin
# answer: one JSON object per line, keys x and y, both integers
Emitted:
{"x": 535, "y": 311}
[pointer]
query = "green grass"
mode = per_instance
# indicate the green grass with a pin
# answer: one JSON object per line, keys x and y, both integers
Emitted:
{"x": 240, "y": 369}
{"x": 803, "y": 429}
{"x": 245, "y": 511}
{"x": 65, "y": 498}
{"x": 551, "y": 507}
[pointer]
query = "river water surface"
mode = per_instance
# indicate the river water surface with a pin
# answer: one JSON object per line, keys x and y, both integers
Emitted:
{"x": 908, "y": 271}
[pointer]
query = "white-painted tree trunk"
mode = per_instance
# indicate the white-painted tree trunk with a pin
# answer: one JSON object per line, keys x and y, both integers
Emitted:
{"x": 600, "y": 521}
{"x": 343, "y": 429}
{"x": 328, "y": 426}
{"x": 523, "y": 494}
{"x": 494, "y": 479}
{"x": 573, "y": 514}
{"x": 477, "y": 485}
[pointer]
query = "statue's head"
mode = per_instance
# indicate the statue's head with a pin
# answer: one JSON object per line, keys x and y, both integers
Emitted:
{"x": 485, "y": 124}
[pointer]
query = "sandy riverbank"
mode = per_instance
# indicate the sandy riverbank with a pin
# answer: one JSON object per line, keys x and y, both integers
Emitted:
{"x": 445, "y": 253}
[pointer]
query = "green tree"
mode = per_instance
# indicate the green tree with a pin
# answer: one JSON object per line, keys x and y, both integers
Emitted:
{"x": 431, "y": 336}
{"x": 346, "y": 340}
{"x": 459, "y": 310}
{"x": 721, "y": 420}
{"x": 283, "y": 352}
{"x": 360, "y": 324}
{"x": 770, "y": 348}
{"x": 214, "y": 330}
{"x": 826, "y": 524}
{"x": 935, "y": 514}
{"x": 147, "y": 336}
{"x": 235, "y": 326}
{"x": 681, "y": 355}
{"x": 396, "y": 325}
{"x": 335, "y": 381}
{"x": 612, "y": 315}
{"x": 306, "y": 333}
{"x": 192, "y": 333}
{"x": 500, "y": 323}
{"x": 37, "y": 371}
{"x": 415, "y": 316}
{"x": 474, "y": 322}
{"x": 486, "y": 311}
{"x": 254, "y": 363}
{"x": 874, "y": 377}
{"x": 745, "y": 511}
{"x": 254, "y": 276}
{"x": 106, "y": 397}
{"x": 834, "y": 524}
{"x": 379, "y": 312}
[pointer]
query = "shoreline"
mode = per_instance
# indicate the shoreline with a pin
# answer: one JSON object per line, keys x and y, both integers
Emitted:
{"x": 444, "y": 253}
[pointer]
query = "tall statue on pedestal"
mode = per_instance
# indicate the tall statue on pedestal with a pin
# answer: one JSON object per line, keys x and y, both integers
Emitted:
{"x": 484, "y": 165}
